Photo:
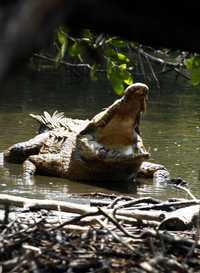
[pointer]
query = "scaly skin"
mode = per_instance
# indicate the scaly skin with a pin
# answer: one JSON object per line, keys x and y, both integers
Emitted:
{"x": 105, "y": 148}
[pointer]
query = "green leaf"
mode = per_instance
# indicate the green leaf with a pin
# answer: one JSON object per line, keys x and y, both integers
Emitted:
{"x": 62, "y": 45}
{"x": 117, "y": 85}
{"x": 122, "y": 67}
{"x": 189, "y": 63}
{"x": 127, "y": 77}
{"x": 110, "y": 68}
{"x": 75, "y": 49}
{"x": 122, "y": 57}
{"x": 125, "y": 74}
{"x": 63, "y": 50}
{"x": 117, "y": 42}
{"x": 195, "y": 76}
{"x": 128, "y": 80}
{"x": 113, "y": 74}
{"x": 193, "y": 65}
{"x": 119, "y": 76}
{"x": 111, "y": 53}
{"x": 62, "y": 38}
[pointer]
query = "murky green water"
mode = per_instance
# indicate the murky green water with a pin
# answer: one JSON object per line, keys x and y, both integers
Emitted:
{"x": 170, "y": 127}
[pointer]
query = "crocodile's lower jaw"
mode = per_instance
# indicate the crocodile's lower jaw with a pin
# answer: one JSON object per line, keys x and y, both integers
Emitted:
{"x": 90, "y": 149}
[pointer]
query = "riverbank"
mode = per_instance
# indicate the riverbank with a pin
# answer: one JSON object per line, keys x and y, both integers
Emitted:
{"x": 99, "y": 233}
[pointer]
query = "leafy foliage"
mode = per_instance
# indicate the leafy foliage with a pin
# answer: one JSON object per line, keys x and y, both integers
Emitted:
{"x": 63, "y": 41}
{"x": 115, "y": 56}
{"x": 98, "y": 50}
{"x": 193, "y": 65}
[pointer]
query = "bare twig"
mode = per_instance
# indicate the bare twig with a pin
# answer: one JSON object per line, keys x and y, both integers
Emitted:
{"x": 147, "y": 200}
{"x": 152, "y": 72}
{"x": 117, "y": 199}
{"x": 53, "y": 60}
{"x": 141, "y": 64}
{"x": 167, "y": 65}
{"x": 122, "y": 241}
{"x": 116, "y": 223}
{"x": 76, "y": 219}
{"x": 186, "y": 190}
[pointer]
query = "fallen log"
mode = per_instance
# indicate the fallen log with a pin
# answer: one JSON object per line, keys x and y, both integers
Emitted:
{"x": 182, "y": 214}
{"x": 181, "y": 219}
{"x": 70, "y": 207}
{"x": 36, "y": 204}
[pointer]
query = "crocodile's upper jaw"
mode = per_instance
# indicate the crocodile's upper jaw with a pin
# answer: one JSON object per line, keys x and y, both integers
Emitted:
{"x": 112, "y": 136}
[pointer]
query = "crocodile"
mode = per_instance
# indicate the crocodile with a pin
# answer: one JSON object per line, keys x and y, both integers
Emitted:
{"x": 108, "y": 147}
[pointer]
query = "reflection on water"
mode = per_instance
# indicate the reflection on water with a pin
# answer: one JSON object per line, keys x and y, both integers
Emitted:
{"x": 170, "y": 127}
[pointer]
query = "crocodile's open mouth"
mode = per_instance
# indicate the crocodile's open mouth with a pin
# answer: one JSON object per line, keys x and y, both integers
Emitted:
{"x": 113, "y": 135}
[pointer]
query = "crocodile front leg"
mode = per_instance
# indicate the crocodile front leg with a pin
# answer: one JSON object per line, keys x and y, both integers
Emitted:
{"x": 48, "y": 164}
{"x": 156, "y": 171}
{"x": 17, "y": 153}
{"x": 29, "y": 168}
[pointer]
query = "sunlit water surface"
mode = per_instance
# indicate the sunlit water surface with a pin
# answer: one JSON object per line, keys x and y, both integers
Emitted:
{"x": 170, "y": 129}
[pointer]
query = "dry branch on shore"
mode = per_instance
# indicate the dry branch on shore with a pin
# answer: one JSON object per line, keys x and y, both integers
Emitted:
{"x": 122, "y": 235}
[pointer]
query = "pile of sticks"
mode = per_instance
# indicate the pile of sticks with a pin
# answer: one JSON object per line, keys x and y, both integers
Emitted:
{"x": 103, "y": 233}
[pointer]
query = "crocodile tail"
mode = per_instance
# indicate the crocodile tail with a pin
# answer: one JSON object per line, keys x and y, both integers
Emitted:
{"x": 50, "y": 122}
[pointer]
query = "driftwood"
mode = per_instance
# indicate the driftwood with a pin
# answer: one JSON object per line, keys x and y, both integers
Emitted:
{"x": 169, "y": 215}
{"x": 27, "y": 203}
{"x": 57, "y": 236}
{"x": 35, "y": 204}
{"x": 181, "y": 219}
